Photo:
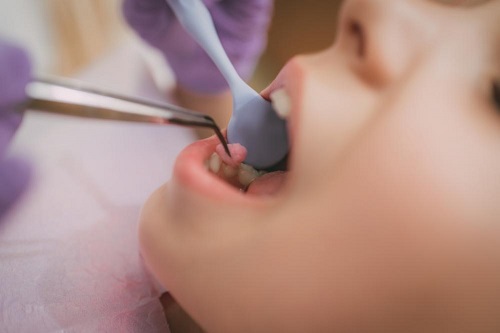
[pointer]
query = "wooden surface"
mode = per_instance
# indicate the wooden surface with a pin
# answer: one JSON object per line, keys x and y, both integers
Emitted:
{"x": 297, "y": 27}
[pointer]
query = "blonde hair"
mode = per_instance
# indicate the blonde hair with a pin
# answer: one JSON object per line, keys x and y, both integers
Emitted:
{"x": 83, "y": 31}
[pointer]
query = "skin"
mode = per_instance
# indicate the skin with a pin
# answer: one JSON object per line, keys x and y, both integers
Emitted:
{"x": 388, "y": 220}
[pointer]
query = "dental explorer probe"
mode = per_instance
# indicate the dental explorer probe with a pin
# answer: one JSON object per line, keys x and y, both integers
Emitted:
{"x": 72, "y": 98}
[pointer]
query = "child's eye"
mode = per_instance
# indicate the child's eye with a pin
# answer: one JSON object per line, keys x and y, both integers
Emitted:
{"x": 496, "y": 95}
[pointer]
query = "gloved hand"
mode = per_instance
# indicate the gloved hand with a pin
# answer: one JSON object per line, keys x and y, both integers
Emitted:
{"x": 15, "y": 72}
{"x": 241, "y": 25}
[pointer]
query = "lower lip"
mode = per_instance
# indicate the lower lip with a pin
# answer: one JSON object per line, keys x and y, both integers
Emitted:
{"x": 191, "y": 173}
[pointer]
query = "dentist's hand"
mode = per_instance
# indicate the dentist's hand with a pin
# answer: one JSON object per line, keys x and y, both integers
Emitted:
{"x": 15, "y": 72}
{"x": 241, "y": 24}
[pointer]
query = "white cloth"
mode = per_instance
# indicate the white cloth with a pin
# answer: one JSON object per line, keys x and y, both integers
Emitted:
{"x": 69, "y": 257}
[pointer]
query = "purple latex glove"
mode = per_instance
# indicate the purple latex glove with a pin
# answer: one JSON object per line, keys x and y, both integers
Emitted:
{"x": 15, "y": 72}
{"x": 241, "y": 25}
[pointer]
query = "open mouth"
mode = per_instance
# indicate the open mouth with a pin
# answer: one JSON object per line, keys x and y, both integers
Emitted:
{"x": 244, "y": 177}
{"x": 206, "y": 166}
{"x": 213, "y": 174}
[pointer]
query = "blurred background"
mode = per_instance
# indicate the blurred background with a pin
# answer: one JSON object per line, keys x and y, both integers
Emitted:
{"x": 66, "y": 36}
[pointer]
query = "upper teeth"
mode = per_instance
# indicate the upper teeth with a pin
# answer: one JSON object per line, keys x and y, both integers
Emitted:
{"x": 281, "y": 103}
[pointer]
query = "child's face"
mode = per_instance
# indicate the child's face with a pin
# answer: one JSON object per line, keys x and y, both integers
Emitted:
{"x": 389, "y": 218}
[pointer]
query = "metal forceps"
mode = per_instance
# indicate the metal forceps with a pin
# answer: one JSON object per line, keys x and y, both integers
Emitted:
{"x": 72, "y": 98}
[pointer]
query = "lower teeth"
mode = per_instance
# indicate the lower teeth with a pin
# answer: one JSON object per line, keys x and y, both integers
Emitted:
{"x": 241, "y": 176}
{"x": 247, "y": 174}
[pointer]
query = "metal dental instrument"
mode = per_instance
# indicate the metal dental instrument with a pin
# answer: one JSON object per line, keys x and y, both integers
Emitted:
{"x": 72, "y": 98}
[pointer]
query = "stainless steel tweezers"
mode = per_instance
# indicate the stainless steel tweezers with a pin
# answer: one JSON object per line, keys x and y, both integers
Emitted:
{"x": 72, "y": 98}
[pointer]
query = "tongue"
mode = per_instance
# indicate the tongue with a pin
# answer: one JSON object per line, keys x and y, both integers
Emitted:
{"x": 267, "y": 184}
{"x": 238, "y": 154}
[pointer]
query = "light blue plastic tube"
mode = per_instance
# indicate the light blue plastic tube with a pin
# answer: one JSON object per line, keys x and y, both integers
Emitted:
{"x": 253, "y": 124}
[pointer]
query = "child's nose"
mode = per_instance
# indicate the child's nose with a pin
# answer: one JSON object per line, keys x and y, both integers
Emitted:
{"x": 385, "y": 36}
